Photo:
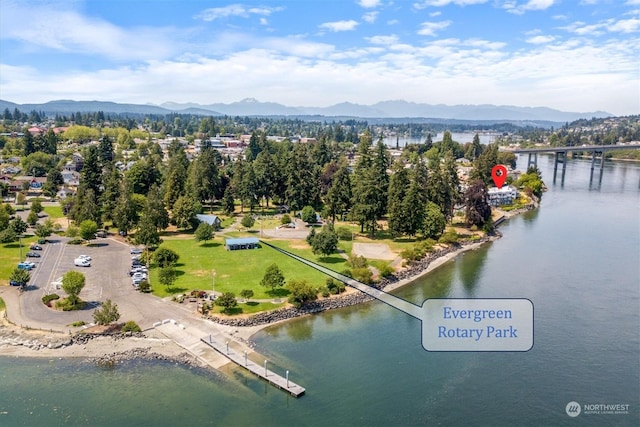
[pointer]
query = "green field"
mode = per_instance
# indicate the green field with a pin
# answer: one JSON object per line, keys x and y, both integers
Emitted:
{"x": 10, "y": 256}
{"x": 238, "y": 270}
{"x": 54, "y": 212}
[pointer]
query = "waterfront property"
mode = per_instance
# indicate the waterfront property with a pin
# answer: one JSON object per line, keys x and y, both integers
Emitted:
{"x": 241, "y": 243}
{"x": 502, "y": 196}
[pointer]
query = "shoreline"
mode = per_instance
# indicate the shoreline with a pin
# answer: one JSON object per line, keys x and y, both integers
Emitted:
{"x": 153, "y": 345}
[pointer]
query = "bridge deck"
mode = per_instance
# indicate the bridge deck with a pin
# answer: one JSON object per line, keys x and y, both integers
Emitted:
{"x": 242, "y": 361}
{"x": 598, "y": 148}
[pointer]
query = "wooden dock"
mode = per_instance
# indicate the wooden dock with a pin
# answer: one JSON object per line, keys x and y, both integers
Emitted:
{"x": 262, "y": 371}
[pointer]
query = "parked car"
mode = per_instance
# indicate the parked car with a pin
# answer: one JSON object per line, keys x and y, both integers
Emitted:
{"x": 81, "y": 262}
{"x": 87, "y": 257}
{"x": 57, "y": 284}
{"x": 135, "y": 251}
{"x": 33, "y": 255}
{"x": 14, "y": 283}
{"x": 35, "y": 247}
{"x": 101, "y": 233}
{"x": 26, "y": 265}
{"x": 42, "y": 241}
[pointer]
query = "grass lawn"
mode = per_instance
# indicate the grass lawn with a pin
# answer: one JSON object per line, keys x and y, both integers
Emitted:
{"x": 2, "y": 306}
{"x": 10, "y": 256}
{"x": 240, "y": 269}
{"x": 54, "y": 212}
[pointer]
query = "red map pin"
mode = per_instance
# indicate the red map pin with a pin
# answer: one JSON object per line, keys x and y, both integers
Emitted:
{"x": 499, "y": 175}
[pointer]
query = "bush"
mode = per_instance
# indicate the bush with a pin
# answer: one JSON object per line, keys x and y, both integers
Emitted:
{"x": 131, "y": 326}
{"x": 357, "y": 261}
{"x": 449, "y": 237}
{"x": 67, "y": 305}
{"x": 325, "y": 292}
{"x": 78, "y": 323}
{"x": 363, "y": 274}
{"x": 386, "y": 270}
{"x": 347, "y": 272}
{"x": 48, "y": 298}
{"x": 344, "y": 233}
{"x": 286, "y": 219}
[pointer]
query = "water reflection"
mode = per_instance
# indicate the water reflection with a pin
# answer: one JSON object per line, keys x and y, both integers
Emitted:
{"x": 302, "y": 330}
{"x": 470, "y": 269}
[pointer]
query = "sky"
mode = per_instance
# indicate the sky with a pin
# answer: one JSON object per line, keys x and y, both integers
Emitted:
{"x": 572, "y": 55}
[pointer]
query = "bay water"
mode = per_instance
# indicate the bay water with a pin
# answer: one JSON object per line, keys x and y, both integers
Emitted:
{"x": 577, "y": 258}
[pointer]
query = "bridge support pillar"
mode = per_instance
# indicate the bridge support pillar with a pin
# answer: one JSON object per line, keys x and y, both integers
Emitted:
{"x": 533, "y": 162}
{"x": 561, "y": 157}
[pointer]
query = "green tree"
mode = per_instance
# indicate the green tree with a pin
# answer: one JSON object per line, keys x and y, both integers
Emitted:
{"x": 176, "y": 173}
{"x": 303, "y": 179}
{"x": 20, "y": 276}
{"x": 308, "y": 215}
{"x": 325, "y": 242}
{"x": 43, "y": 231}
{"x": 88, "y": 229}
{"x": 8, "y": 235}
{"x": 204, "y": 232}
{"x": 339, "y": 196}
{"x": 106, "y": 314}
{"x": 227, "y": 301}
{"x": 147, "y": 233}
{"x": 247, "y": 221}
{"x": 53, "y": 183}
{"x": 300, "y": 292}
{"x": 184, "y": 212}
{"x": 155, "y": 209}
{"x": 273, "y": 277}
{"x": 125, "y": 215}
{"x": 165, "y": 257}
{"x": 203, "y": 181}
{"x": 167, "y": 276}
{"x": 32, "y": 218}
{"x": 478, "y": 210}
{"x": 72, "y": 283}
{"x": 18, "y": 226}
{"x": 38, "y": 163}
{"x": 398, "y": 185}
{"x": 228, "y": 202}
{"x": 434, "y": 221}
{"x": 36, "y": 206}
{"x": 246, "y": 294}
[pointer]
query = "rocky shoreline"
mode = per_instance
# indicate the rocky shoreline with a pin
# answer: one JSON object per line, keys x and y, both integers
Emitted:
{"x": 410, "y": 273}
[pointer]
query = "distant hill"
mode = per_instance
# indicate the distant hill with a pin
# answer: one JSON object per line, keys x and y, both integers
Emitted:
{"x": 398, "y": 109}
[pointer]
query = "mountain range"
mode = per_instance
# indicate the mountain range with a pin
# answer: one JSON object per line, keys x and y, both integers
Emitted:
{"x": 382, "y": 110}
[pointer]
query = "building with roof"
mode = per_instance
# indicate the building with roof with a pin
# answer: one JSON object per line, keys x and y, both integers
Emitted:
{"x": 242, "y": 243}
{"x": 210, "y": 219}
{"x": 502, "y": 196}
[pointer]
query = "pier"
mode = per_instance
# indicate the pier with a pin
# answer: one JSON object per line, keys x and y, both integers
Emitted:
{"x": 260, "y": 370}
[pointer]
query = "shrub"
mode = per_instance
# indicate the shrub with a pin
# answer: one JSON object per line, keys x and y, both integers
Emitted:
{"x": 347, "y": 272}
{"x": 286, "y": 219}
{"x": 78, "y": 323}
{"x": 385, "y": 270}
{"x": 449, "y": 237}
{"x": 131, "y": 326}
{"x": 66, "y": 305}
{"x": 325, "y": 292}
{"x": 48, "y": 298}
{"x": 344, "y": 233}
{"x": 357, "y": 261}
{"x": 363, "y": 274}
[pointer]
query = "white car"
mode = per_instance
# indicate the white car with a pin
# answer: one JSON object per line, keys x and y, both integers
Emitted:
{"x": 57, "y": 284}
{"x": 87, "y": 257}
{"x": 81, "y": 262}
{"x": 134, "y": 251}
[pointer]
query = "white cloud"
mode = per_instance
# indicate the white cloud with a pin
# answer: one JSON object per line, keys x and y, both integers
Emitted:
{"x": 540, "y": 39}
{"x": 625, "y": 26}
{"x": 531, "y": 5}
{"x": 338, "y": 26}
{"x": 370, "y": 17}
{"x": 58, "y": 27}
{"x": 243, "y": 11}
{"x": 631, "y": 25}
{"x": 367, "y": 4}
{"x": 439, "y": 3}
{"x": 430, "y": 28}
{"x": 383, "y": 40}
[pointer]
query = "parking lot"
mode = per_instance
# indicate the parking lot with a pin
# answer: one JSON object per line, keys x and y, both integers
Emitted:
{"x": 107, "y": 277}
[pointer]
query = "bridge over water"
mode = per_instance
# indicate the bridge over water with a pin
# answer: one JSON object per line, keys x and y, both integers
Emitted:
{"x": 597, "y": 155}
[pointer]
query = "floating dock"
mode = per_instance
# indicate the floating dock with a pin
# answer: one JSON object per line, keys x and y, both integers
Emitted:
{"x": 262, "y": 371}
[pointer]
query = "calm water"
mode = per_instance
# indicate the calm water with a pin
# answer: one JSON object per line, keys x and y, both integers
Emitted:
{"x": 577, "y": 258}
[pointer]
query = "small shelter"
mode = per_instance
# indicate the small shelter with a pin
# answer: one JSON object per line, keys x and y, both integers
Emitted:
{"x": 210, "y": 219}
{"x": 242, "y": 243}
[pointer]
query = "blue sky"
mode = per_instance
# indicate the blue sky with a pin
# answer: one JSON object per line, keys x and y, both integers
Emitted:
{"x": 573, "y": 55}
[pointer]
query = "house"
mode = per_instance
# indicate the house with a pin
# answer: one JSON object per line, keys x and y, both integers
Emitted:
{"x": 242, "y": 243}
{"x": 71, "y": 178}
{"x": 64, "y": 193}
{"x": 210, "y": 219}
{"x": 502, "y": 196}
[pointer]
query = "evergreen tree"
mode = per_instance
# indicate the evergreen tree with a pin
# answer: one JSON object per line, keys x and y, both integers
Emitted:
{"x": 478, "y": 210}
{"x": 339, "y": 197}
{"x": 303, "y": 179}
{"x": 155, "y": 210}
{"x": 398, "y": 185}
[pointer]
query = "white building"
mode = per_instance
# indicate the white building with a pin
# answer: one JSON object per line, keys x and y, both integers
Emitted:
{"x": 502, "y": 196}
